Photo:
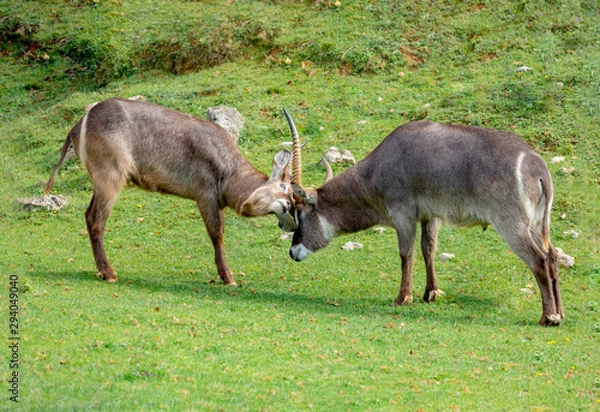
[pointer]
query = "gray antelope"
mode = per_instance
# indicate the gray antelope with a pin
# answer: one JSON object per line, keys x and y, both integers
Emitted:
{"x": 431, "y": 173}
{"x": 162, "y": 150}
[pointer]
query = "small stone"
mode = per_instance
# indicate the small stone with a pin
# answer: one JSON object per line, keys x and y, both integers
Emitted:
{"x": 446, "y": 256}
{"x": 566, "y": 170}
{"x": 352, "y": 246}
{"x": 557, "y": 159}
{"x": 565, "y": 261}
{"x": 286, "y": 236}
{"x": 336, "y": 156}
{"x": 571, "y": 233}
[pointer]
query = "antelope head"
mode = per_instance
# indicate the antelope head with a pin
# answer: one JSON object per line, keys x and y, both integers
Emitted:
{"x": 275, "y": 195}
{"x": 306, "y": 206}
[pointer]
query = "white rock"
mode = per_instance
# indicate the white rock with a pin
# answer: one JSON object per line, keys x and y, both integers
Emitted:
{"x": 524, "y": 69}
{"x": 48, "y": 202}
{"x": 565, "y": 261}
{"x": 557, "y": 159}
{"x": 446, "y": 256}
{"x": 334, "y": 155}
{"x": 566, "y": 170}
{"x": 228, "y": 118}
{"x": 347, "y": 156}
{"x": 352, "y": 246}
{"x": 571, "y": 233}
{"x": 361, "y": 122}
{"x": 286, "y": 236}
{"x": 379, "y": 229}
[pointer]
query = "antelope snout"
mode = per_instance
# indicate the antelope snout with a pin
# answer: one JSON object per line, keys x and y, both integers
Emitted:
{"x": 299, "y": 252}
{"x": 285, "y": 206}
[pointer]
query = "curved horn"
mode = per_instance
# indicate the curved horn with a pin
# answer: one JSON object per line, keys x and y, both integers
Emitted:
{"x": 296, "y": 152}
{"x": 329, "y": 172}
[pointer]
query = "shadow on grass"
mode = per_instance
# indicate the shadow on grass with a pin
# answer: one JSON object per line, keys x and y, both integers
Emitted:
{"x": 453, "y": 308}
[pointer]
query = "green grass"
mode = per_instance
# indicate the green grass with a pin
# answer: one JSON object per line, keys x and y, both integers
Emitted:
{"x": 321, "y": 334}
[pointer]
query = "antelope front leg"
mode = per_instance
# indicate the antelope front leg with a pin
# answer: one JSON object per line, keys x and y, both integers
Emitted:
{"x": 405, "y": 295}
{"x": 429, "y": 233}
{"x": 215, "y": 225}
{"x": 406, "y": 240}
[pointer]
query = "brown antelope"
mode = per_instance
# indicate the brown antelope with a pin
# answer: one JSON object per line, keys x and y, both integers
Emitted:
{"x": 162, "y": 150}
{"x": 432, "y": 173}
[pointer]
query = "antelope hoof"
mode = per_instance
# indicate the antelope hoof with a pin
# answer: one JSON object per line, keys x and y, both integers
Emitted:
{"x": 110, "y": 278}
{"x": 550, "y": 320}
{"x": 430, "y": 295}
{"x": 403, "y": 300}
{"x": 230, "y": 281}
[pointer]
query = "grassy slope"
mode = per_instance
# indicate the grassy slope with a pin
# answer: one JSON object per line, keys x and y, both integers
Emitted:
{"x": 319, "y": 334}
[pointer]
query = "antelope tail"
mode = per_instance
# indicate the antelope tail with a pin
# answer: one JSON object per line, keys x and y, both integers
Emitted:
{"x": 63, "y": 154}
{"x": 547, "y": 199}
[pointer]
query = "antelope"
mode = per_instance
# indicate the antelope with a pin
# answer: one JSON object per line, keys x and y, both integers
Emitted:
{"x": 431, "y": 173}
{"x": 162, "y": 150}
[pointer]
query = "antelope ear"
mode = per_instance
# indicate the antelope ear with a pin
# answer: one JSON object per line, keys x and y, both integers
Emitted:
{"x": 301, "y": 193}
{"x": 281, "y": 165}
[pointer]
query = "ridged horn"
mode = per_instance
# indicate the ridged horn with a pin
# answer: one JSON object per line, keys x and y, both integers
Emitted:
{"x": 296, "y": 152}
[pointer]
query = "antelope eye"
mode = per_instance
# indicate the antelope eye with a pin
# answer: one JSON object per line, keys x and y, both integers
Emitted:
{"x": 283, "y": 187}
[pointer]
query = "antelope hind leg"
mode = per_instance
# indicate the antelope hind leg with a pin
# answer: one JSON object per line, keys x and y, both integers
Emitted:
{"x": 95, "y": 217}
{"x": 551, "y": 268}
{"x": 544, "y": 268}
